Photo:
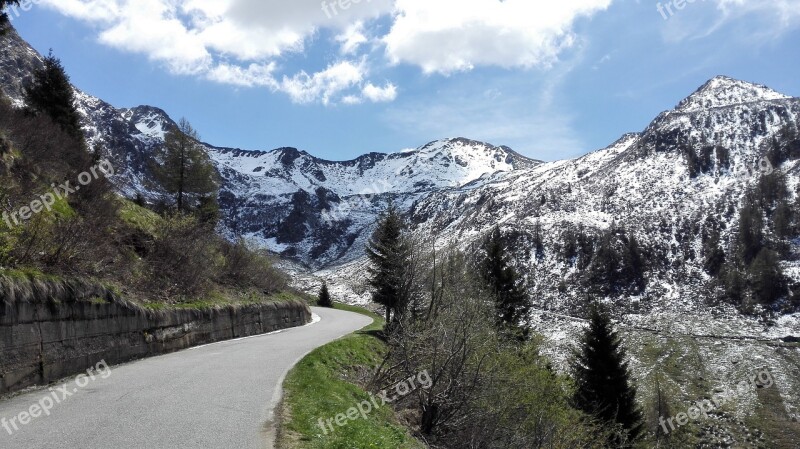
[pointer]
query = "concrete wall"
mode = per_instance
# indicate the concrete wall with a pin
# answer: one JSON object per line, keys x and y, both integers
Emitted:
{"x": 52, "y": 329}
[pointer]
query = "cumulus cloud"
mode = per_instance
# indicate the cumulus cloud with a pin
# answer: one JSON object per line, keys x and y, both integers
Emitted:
{"x": 352, "y": 38}
{"x": 237, "y": 42}
{"x": 456, "y": 35}
{"x": 247, "y": 42}
{"x": 380, "y": 94}
{"x": 324, "y": 85}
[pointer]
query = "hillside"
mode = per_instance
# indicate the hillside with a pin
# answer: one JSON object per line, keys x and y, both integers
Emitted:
{"x": 658, "y": 225}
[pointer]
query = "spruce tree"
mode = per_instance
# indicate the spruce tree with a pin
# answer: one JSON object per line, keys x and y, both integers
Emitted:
{"x": 604, "y": 272}
{"x": 767, "y": 278}
{"x": 751, "y": 231}
{"x": 633, "y": 265}
{"x": 389, "y": 254}
{"x": 714, "y": 255}
{"x": 50, "y": 93}
{"x": 604, "y": 387}
{"x": 512, "y": 303}
{"x": 185, "y": 170}
{"x": 324, "y": 299}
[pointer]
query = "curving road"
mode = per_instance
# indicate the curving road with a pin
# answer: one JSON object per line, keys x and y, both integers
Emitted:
{"x": 217, "y": 396}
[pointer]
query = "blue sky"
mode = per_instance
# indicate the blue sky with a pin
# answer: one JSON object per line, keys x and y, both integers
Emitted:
{"x": 552, "y": 80}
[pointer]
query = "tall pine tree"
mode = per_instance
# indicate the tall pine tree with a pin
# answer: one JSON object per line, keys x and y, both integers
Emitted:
{"x": 185, "y": 170}
{"x": 389, "y": 254}
{"x": 50, "y": 93}
{"x": 511, "y": 301}
{"x": 604, "y": 387}
{"x": 324, "y": 299}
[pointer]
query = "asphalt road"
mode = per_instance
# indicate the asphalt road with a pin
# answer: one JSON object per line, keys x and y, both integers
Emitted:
{"x": 219, "y": 396}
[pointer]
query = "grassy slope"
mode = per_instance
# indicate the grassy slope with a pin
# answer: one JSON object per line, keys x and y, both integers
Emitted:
{"x": 688, "y": 373}
{"x": 318, "y": 388}
{"x": 148, "y": 222}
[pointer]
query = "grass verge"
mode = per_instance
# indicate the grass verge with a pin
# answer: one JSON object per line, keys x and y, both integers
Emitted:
{"x": 324, "y": 384}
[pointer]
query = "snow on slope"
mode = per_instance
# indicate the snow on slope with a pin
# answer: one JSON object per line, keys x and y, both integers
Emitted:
{"x": 316, "y": 211}
{"x": 642, "y": 183}
{"x": 723, "y": 91}
{"x": 440, "y": 164}
{"x": 320, "y": 214}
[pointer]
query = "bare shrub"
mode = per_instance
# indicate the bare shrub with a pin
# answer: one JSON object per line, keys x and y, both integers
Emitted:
{"x": 184, "y": 258}
{"x": 486, "y": 392}
{"x": 248, "y": 266}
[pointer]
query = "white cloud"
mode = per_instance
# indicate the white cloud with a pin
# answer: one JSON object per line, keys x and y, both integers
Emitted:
{"x": 235, "y": 42}
{"x": 247, "y": 42}
{"x": 446, "y": 36}
{"x": 352, "y": 99}
{"x": 380, "y": 94}
{"x": 324, "y": 85}
{"x": 251, "y": 76}
{"x": 352, "y": 38}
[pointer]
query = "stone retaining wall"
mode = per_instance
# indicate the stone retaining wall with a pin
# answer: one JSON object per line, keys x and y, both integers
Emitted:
{"x": 51, "y": 329}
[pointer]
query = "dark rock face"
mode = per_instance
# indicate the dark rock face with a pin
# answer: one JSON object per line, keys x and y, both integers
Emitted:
{"x": 53, "y": 329}
{"x": 17, "y": 65}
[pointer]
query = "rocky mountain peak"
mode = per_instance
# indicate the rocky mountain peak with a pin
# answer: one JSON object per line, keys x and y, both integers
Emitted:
{"x": 723, "y": 91}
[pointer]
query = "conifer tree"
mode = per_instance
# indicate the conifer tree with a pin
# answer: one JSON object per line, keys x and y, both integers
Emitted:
{"x": 604, "y": 386}
{"x": 714, "y": 255}
{"x": 50, "y": 93}
{"x": 324, "y": 299}
{"x": 767, "y": 278}
{"x": 633, "y": 264}
{"x": 512, "y": 303}
{"x": 389, "y": 254}
{"x": 751, "y": 232}
{"x": 604, "y": 273}
{"x": 185, "y": 170}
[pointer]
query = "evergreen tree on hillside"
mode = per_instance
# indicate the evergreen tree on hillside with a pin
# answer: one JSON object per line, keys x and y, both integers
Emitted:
{"x": 208, "y": 210}
{"x": 389, "y": 254}
{"x": 324, "y": 299}
{"x": 751, "y": 231}
{"x": 733, "y": 283}
{"x": 50, "y": 93}
{"x": 714, "y": 255}
{"x": 4, "y": 21}
{"x": 633, "y": 264}
{"x": 604, "y": 386}
{"x": 511, "y": 301}
{"x": 185, "y": 170}
{"x": 766, "y": 277}
{"x": 604, "y": 271}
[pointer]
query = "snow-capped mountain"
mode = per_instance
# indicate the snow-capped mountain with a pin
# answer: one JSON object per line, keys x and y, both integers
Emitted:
{"x": 314, "y": 210}
{"x": 684, "y": 178}
{"x": 665, "y": 186}
{"x": 691, "y": 165}
{"x": 302, "y": 207}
